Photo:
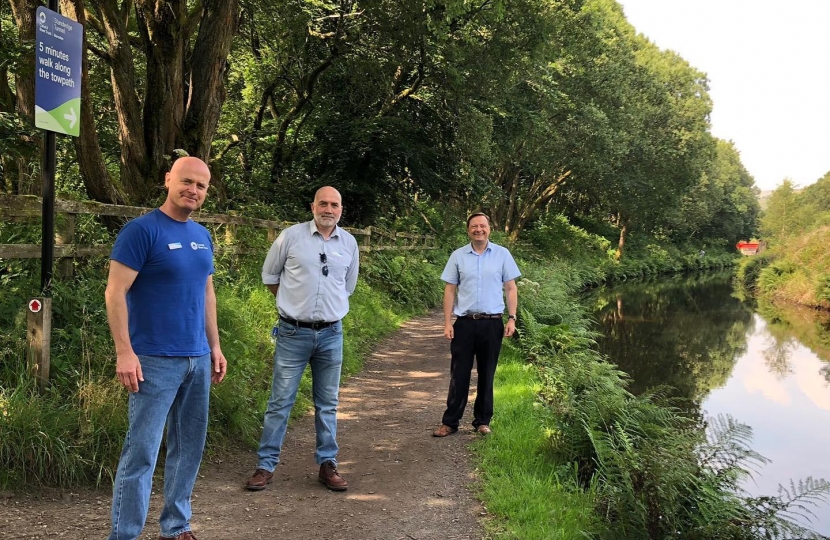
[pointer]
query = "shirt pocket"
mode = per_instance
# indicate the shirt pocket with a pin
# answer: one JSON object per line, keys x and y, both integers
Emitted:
{"x": 338, "y": 264}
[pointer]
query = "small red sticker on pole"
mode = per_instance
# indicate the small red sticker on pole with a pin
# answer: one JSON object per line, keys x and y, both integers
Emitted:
{"x": 35, "y": 305}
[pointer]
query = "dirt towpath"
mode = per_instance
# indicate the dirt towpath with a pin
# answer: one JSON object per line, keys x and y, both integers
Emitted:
{"x": 404, "y": 484}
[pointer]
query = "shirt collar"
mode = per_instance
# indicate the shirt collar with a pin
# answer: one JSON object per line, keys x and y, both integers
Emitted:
{"x": 488, "y": 248}
{"x": 312, "y": 229}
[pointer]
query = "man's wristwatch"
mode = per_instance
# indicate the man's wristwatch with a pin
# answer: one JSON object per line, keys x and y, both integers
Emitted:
{"x": 511, "y": 317}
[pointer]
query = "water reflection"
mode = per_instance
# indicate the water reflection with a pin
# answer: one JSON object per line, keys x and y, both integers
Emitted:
{"x": 767, "y": 367}
{"x": 777, "y": 387}
{"x": 681, "y": 332}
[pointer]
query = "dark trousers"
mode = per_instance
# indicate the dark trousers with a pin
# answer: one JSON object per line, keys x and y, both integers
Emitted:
{"x": 480, "y": 340}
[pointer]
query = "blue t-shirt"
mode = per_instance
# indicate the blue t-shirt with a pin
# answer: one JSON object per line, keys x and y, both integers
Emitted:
{"x": 166, "y": 302}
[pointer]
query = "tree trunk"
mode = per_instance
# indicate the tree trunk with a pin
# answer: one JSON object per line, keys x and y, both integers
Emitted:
{"x": 534, "y": 203}
{"x": 497, "y": 206}
{"x": 207, "y": 81}
{"x": 303, "y": 96}
{"x": 7, "y": 98}
{"x": 161, "y": 24}
{"x": 24, "y": 82}
{"x": 11, "y": 162}
{"x": 513, "y": 195}
{"x": 133, "y": 171}
{"x": 94, "y": 171}
{"x": 405, "y": 93}
{"x": 623, "y": 229}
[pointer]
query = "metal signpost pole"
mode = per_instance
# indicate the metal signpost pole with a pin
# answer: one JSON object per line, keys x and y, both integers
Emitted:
{"x": 48, "y": 221}
{"x": 58, "y": 62}
{"x": 48, "y": 217}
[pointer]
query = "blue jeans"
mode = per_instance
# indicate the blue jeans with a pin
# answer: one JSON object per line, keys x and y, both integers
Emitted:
{"x": 297, "y": 347}
{"x": 175, "y": 390}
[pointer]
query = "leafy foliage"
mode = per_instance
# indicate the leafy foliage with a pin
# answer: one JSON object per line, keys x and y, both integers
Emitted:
{"x": 654, "y": 470}
{"x": 72, "y": 435}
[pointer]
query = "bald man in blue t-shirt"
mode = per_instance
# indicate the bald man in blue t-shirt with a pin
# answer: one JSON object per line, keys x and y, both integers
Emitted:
{"x": 161, "y": 308}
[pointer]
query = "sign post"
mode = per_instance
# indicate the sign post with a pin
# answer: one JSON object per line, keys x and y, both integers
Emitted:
{"x": 39, "y": 338}
{"x": 58, "y": 72}
{"x": 58, "y": 62}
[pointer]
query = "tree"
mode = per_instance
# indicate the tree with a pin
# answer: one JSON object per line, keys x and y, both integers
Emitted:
{"x": 723, "y": 206}
{"x": 550, "y": 125}
{"x": 663, "y": 122}
{"x": 167, "y": 60}
{"x": 782, "y": 216}
{"x": 17, "y": 100}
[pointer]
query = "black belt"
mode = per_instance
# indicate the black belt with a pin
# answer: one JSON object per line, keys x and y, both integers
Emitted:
{"x": 314, "y": 325}
{"x": 477, "y": 316}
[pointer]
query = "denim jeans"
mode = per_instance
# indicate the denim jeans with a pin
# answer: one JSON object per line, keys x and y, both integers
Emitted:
{"x": 297, "y": 347}
{"x": 175, "y": 390}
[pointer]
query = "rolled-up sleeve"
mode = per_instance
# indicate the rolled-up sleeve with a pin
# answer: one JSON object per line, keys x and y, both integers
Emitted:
{"x": 351, "y": 273}
{"x": 275, "y": 261}
{"x": 450, "y": 273}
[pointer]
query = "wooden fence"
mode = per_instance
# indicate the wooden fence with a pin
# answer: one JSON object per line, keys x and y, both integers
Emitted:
{"x": 14, "y": 207}
{"x": 39, "y": 313}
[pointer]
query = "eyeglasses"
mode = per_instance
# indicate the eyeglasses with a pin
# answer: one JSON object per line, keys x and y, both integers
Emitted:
{"x": 325, "y": 266}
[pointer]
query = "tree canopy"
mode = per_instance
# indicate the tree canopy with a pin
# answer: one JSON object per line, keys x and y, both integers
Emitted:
{"x": 520, "y": 108}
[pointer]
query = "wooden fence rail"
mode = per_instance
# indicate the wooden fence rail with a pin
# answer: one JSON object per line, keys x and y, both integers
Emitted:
{"x": 14, "y": 207}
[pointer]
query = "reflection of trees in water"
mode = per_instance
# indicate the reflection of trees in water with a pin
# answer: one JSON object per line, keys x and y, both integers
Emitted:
{"x": 777, "y": 356}
{"x": 788, "y": 326}
{"x": 685, "y": 334}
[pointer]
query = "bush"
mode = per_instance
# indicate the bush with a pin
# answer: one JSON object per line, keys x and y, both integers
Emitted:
{"x": 748, "y": 269}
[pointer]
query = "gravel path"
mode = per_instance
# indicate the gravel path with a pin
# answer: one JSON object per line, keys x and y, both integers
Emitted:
{"x": 403, "y": 483}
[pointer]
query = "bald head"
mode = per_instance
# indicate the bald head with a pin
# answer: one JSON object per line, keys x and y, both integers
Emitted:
{"x": 190, "y": 165}
{"x": 327, "y": 192}
{"x": 187, "y": 184}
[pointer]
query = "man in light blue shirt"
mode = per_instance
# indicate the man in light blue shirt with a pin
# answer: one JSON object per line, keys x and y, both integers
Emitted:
{"x": 482, "y": 274}
{"x": 312, "y": 270}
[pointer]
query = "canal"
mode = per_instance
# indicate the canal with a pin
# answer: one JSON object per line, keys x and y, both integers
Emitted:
{"x": 724, "y": 355}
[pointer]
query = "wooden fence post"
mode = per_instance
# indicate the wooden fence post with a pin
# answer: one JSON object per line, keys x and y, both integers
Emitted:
{"x": 367, "y": 238}
{"x": 66, "y": 235}
{"x": 39, "y": 337}
{"x": 230, "y": 233}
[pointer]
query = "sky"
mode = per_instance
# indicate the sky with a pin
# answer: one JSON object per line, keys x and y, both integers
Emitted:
{"x": 768, "y": 65}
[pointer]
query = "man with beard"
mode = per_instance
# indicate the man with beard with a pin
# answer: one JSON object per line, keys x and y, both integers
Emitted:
{"x": 312, "y": 270}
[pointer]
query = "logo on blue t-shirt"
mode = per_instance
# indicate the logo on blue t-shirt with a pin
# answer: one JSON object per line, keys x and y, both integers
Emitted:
{"x": 196, "y": 245}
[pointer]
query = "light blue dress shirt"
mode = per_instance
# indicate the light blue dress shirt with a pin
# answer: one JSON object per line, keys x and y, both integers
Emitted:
{"x": 294, "y": 263}
{"x": 480, "y": 278}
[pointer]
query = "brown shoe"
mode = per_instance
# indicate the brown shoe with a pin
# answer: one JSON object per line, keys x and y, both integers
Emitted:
{"x": 259, "y": 480}
{"x": 331, "y": 478}
{"x": 444, "y": 430}
{"x": 186, "y": 535}
{"x": 484, "y": 429}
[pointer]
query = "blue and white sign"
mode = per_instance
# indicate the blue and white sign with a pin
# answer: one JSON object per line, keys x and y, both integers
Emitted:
{"x": 58, "y": 60}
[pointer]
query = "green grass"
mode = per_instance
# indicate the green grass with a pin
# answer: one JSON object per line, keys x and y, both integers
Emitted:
{"x": 519, "y": 485}
{"x": 568, "y": 439}
{"x": 72, "y": 434}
